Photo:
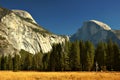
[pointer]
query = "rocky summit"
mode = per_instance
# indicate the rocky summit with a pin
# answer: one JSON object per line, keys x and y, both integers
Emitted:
{"x": 18, "y": 30}
{"x": 96, "y": 31}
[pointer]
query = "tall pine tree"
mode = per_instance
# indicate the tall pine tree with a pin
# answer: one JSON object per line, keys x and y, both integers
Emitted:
{"x": 100, "y": 55}
{"x": 82, "y": 54}
{"x": 16, "y": 62}
{"x": 110, "y": 54}
{"x": 116, "y": 57}
{"x": 74, "y": 56}
{"x": 89, "y": 55}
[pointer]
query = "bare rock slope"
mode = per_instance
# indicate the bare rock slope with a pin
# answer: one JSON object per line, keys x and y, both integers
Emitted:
{"x": 96, "y": 31}
{"x": 18, "y": 30}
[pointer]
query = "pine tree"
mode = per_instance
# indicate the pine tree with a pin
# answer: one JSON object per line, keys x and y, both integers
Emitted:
{"x": 9, "y": 63}
{"x": 60, "y": 57}
{"x": 56, "y": 58}
{"x": 66, "y": 58}
{"x": 82, "y": 54}
{"x": 89, "y": 54}
{"x": 116, "y": 57}
{"x": 100, "y": 55}
{"x": 75, "y": 56}
{"x": 45, "y": 61}
{"x": 16, "y": 62}
{"x": 0, "y": 62}
{"x": 3, "y": 62}
{"x": 23, "y": 58}
{"x": 28, "y": 62}
{"x": 52, "y": 61}
{"x": 110, "y": 54}
{"x": 37, "y": 61}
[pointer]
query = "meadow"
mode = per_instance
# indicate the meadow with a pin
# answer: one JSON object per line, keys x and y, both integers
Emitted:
{"x": 31, "y": 75}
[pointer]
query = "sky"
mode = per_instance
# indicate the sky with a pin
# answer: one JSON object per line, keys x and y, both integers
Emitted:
{"x": 65, "y": 17}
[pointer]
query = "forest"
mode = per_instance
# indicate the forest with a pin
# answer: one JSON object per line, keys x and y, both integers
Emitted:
{"x": 68, "y": 56}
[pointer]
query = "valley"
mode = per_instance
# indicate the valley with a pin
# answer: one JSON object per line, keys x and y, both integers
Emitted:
{"x": 31, "y": 75}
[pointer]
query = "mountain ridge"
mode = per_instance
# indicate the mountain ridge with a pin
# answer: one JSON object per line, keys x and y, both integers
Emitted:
{"x": 96, "y": 31}
{"x": 22, "y": 32}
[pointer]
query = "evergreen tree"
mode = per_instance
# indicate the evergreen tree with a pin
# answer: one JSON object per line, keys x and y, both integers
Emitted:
{"x": 28, "y": 62}
{"x": 100, "y": 55}
{"x": 89, "y": 56}
{"x": 45, "y": 61}
{"x": 0, "y": 62}
{"x": 60, "y": 57}
{"x": 56, "y": 59}
{"x": 9, "y": 63}
{"x": 116, "y": 57}
{"x": 37, "y": 61}
{"x": 75, "y": 56}
{"x": 16, "y": 62}
{"x": 23, "y": 57}
{"x": 82, "y": 54}
{"x": 66, "y": 59}
{"x": 52, "y": 61}
{"x": 110, "y": 54}
{"x": 3, "y": 62}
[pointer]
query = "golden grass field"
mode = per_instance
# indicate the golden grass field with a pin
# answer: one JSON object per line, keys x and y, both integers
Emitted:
{"x": 24, "y": 75}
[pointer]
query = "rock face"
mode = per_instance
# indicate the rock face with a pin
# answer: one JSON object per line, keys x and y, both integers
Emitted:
{"x": 18, "y": 30}
{"x": 96, "y": 31}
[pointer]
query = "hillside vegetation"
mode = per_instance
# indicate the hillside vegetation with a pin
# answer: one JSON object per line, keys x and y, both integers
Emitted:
{"x": 71, "y": 56}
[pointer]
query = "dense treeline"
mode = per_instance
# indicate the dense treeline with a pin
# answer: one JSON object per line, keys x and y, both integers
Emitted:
{"x": 71, "y": 56}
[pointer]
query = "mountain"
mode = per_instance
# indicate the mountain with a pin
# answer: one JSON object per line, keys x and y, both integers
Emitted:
{"x": 18, "y": 30}
{"x": 96, "y": 31}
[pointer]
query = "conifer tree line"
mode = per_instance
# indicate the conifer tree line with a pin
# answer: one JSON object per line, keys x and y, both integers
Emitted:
{"x": 70, "y": 56}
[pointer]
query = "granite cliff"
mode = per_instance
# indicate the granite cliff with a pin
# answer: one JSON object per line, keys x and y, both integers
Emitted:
{"x": 96, "y": 31}
{"x": 18, "y": 30}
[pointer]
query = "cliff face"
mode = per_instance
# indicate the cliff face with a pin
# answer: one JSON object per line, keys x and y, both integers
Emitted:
{"x": 20, "y": 31}
{"x": 96, "y": 31}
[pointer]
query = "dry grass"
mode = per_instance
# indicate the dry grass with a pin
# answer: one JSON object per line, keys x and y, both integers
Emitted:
{"x": 9, "y": 75}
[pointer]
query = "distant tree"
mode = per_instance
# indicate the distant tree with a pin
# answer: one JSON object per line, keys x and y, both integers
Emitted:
{"x": 16, "y": 62}
{"x": 74, "y": 56}
{"x": 9, "y": 63}
{"x": 69, "y": 56}
{"x": 3, "y": 62}
{"x": 52, "y": 60}
{"x": 23, "y": 57}
{"x": 116, "y": 57}
{"x": 56, "y": 58}
{"x": 37, "y": 62}
{"x": 45, "y": 61}
{"x": 66, "y": 65}
{"x": 100, "y": 55}
{"x": 60, "y": 57}
{"x": 66, "y": 59}
{"x": 89, "y": 54}
{"x": 110, "y": 54}
{"x": 0, "y": 63}
{"x": 28, "y": 62}
{"x": 82, "y": 54}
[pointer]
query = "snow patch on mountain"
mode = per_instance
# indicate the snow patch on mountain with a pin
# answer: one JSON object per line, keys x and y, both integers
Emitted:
{"x": 101, "y": 24}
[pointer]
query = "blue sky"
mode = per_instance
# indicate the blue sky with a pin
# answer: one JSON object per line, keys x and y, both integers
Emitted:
{"x": 67, "y": 16}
